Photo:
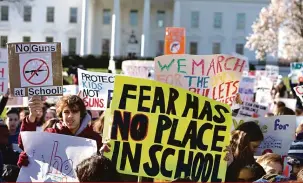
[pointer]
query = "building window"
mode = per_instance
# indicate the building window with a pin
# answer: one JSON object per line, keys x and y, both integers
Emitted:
{"x": 160, "y": 47}
{"x": 26, "y": 39}
{"x": 195, "y": 15}
{"x": 72, "y": 45}
{"x": 4, "y": 13}
{"x": 133, "y": 17}
{"x": 218, "y": 20}
{"x": 73, "y": 14}
{"x": 241, "y": 21}
{"x": 50, "y": 13}
{"x": 193, "y": 46}
{"x": 27, "y": 14}
{"x": 105, "y": 46}
{"x": 49, "y": 39}
{"x": 240, "y": 49}
{"x": 106, "y": 16}
{"x": 3, "y": 40}
{"x": 216, "y": 48}
{"x": 160, "y": 18}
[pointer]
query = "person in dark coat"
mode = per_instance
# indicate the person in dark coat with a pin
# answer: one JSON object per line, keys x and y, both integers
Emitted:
{"x": 6, "y": 149}
{"x": 73, "y": 120}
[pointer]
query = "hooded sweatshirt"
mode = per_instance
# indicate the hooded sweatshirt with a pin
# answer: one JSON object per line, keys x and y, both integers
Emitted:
{"x": 84, "y": 130}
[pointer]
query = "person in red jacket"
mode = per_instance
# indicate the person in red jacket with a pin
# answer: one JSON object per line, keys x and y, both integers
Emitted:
{"x": 73, "y": 120}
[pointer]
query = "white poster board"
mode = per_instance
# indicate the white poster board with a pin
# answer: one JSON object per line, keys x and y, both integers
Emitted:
{"x": 272, "y": 128}
{"x": 54, "y": 157}
{"x": 137, "y": 68}
{"x": 3, "y": 71}
{"x": 246, "y": 88}
{"x": 96, "y": 89}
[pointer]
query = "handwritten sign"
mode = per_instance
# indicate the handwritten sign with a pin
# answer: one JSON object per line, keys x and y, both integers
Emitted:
{"x": 3, "y": 71}
{"x": 96, "y": 89}
{"x": 213, "y": 76}
{"x": 166, "y": 132}
{"x": 53, "y": 157}
{"x": 263, "y": 91}
{"x": 174, "y": 40}
{"x": 246, "y": 88}
{"x": 299, "y": 92}
{"x": 272, "y": 128}
{"x": 250, "y": 109}
{"x": 272, "y": 72}
{"x": 138, "y": 68}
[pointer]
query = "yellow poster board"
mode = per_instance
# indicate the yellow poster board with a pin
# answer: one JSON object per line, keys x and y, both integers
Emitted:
{"x": 166, "y": 132}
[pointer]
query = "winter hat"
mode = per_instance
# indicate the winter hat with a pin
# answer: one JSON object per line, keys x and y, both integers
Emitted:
{"x": 12, "y": 111}
{"x": 273, "y": 178}
{"x": 295, "y": 153}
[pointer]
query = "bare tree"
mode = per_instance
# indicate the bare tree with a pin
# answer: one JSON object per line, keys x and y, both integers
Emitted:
{"x": 279, "y": 30}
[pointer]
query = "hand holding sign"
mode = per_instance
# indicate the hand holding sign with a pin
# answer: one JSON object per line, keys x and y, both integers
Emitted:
{"x": 35, "y": 107}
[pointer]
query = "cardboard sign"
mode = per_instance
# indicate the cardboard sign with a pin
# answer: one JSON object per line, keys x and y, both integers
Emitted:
{"x": 246, "y": 89}
{"x": 54, "y": 157}
{"x": 35, "y": 69}
{"x": 3, "y": 71}
{"x": 214, "y": 76}
{"x": 272, "y": 128}
{"x": 138, "y": 68}
{"x": 159, "y": 125}
{"x": 250, "y": 109}
{"x": 96, "y": 89}
{"x": 174, "y": 40}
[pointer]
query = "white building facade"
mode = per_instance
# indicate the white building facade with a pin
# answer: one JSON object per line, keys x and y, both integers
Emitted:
{"x": 137, "y": 27}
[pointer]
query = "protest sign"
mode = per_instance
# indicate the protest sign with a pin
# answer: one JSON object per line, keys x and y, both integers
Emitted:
{"x": 214, "y": 76}
{"x": 272, "y": 128}
{"x": 246, "y": 89}
{"x": 35, "y": 69}
{"x": 67, "y": 90}
{"x": 299, "y": 92}
{"x": 174, "y": 40}
{"x": 159, "y": 125}
{"x": 96, "y": 89}
{"x": 17, "y": 102}
{"x": 3, "y": 71}
{"x": 296, "y": 72}
{"x": 250, "y": 109}
{"x": 272, "y": 72}
{"x": 263, "y": 91}
{"x": 137, "y": 68}
{"x": 53, "y": 157}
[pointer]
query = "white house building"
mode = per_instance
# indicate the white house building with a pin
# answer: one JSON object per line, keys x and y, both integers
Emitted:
{"x": 122, "y": 27}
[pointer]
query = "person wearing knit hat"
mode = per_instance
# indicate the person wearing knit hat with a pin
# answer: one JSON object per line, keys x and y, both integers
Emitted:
{"x": 13, "y": 123}
{"x": 295, "y": 158}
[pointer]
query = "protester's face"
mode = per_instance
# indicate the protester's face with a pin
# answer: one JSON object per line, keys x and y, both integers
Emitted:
{"x": 12, "y": 121}
{"x": 272, "y": 167}
{"x": 4, "y": 134}
{"x": 254, "y": 145}
{"x": 71, "y": 118}
{"x": 246, "y": 175}
{"x": 48, "y": 116}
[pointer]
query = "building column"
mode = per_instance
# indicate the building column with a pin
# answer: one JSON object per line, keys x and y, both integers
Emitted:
{"x": 84, "y": 27}
{"x": 115, "y": 36}
{"x": 146, "y": 26}
{"x": 177, "y": 13}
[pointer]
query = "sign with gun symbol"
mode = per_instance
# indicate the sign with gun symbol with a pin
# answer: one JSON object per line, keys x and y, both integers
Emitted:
{"x": 36, "y": 71}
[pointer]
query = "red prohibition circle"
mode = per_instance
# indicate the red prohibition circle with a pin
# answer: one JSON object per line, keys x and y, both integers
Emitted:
{"x": 43, "y": 62}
